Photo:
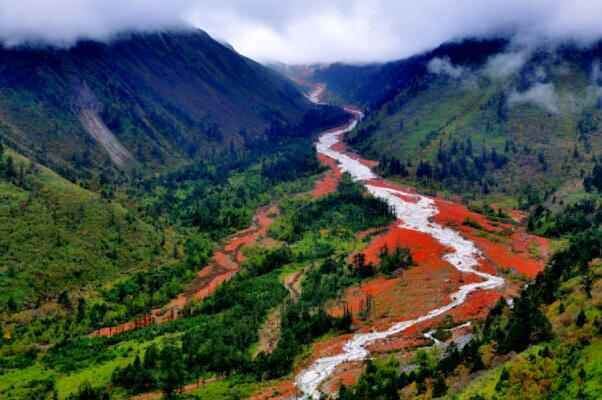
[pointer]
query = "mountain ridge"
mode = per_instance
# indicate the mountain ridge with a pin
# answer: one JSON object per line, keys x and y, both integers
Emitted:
{"x": 166, "y": 97}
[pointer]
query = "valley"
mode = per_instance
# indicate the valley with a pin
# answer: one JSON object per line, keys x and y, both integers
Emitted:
{"x": 416, "y": 214}
{"x": 179, "y": 221}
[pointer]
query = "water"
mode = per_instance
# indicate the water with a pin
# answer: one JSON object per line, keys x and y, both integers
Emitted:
{"x": 415, "y": 216}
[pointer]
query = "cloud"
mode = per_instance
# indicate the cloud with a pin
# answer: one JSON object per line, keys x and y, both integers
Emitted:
{"x": 443, "y": 66}
{"x": 304, "y": 31}
{"x": 504, "y": 65}
{"x": 595, "y": 87}
{"x": 63, "y": 22}
{"x": 541, "y": 94}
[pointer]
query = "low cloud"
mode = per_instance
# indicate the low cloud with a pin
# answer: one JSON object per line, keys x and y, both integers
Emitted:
{"x": 504, "y": 65}
{"x": 443, "y": 66}
{"x": 595, "y": 87}
{"x": 307, "y": 31}
{"x": 541, "y": 94}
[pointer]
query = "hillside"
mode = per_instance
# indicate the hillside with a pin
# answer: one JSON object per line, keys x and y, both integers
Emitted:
{"x": 56, "y": 237}
{"x": 485, "y": 117}
{"x": 142, "y": 100}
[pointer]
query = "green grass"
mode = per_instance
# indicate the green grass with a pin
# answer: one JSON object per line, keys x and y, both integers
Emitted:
{"x": 532, "y": 373}
{"x": 231, "y": 388}
{"x": 55, "y": 236}
{"x": 14, "y": 383}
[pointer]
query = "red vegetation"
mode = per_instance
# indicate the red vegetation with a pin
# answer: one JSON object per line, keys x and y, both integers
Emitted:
{"x": 345, "y": 374}
{"x": 327, "y": 184}
{"x": 508, "y": 251}
{"x": 424, "y": 248}
{"x": 280, "y": 391}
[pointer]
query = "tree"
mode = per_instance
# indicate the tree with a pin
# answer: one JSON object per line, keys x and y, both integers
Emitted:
{"x": 504, "y": 376}
{"x": 173, "y": 373}
{"x": 424, "y": 170}
{"x": 12, "y": 305}
{"x": 9, "y": 168}
{"x": 87, "y": 392}
{"x": 64, "y": 300}
{"x": 581, "y": 319}
{"x": 440, "y": 387}
{"x": 151, "y": 356}
{"x": 401, "y": 257}
{"x": 359, "y": 260}
{"x": 81, "y": 309}
{"x": 587, "y": 280}
{"x": 594, "y": 180}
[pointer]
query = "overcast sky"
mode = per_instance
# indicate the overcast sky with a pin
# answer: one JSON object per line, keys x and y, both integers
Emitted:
{"x": 304, "y": 31}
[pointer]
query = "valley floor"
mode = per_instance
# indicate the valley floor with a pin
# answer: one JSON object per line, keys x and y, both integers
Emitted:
{"x": 439, "y": 289}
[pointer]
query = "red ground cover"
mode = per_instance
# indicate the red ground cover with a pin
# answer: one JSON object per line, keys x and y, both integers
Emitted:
{"x": 423, "y": 247}
{"x": 345, "y": 374}
{"x": 327, "y": 184}
{"x": 454, "y": 214}
{"x": 280, "y": 391}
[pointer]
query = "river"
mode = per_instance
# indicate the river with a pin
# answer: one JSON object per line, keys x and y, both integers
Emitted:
{"x": 415, "y": 215}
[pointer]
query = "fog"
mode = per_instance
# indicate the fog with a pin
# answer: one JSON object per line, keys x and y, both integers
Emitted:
{"x": 305, "y": 31}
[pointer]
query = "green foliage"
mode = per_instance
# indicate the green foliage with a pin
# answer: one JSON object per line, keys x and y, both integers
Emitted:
{"x": 221, "y": 197}
{"x": 391, "y": 261}
{"x": 220, "y": 331}
{"x": 571, "y": 219}
{"x": 347, "y": 207}
{"x": 472, "y": 139}
{"x": 594, "y": 180}
{"x": 472, "y": 223}
{"x": 77, "y": 354}
{"x": 377, "y": 382}
{"x": 167, "y": 97}
{"x": 87, "y": 392}
{"x": 305, "y": 320}
{"x": 56, "y": 237}
{"x": 458, "y": 166}
{"x": 492, "y": 213}
{"x": 146, "y": 290}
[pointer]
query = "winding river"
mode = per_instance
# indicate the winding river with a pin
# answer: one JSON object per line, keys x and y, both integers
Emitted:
{"x": 414, "y": 215}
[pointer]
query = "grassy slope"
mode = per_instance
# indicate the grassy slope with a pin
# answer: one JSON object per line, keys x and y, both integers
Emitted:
{"x": 21, "y": 383}
{"x": 411, "y": 111}
{"x": 557, "y": 376}
{"x": 448, "y": 110}
{"x": 56, "y": 236}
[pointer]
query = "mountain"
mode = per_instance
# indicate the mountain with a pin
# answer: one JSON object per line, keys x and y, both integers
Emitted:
{"x": 483, "y": 116}
{"x": 371, "y": 85}
{"x": 56, "y": 236}
{"x": 151, "y": 101}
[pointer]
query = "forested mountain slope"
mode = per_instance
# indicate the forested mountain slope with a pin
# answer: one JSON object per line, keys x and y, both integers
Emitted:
{"x": 141, "y": 100}
{"x": 484, "y": 117}
{"x": 56, "y": 237}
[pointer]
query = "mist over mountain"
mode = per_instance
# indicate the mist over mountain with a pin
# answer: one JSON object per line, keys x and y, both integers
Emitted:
{"x": 357, "y": 31}
{"x": 537, "y": 104}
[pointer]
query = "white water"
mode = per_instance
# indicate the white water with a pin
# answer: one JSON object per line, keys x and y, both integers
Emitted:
{"x": 415, "y": 216}
{"x": 315, "y": 94}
